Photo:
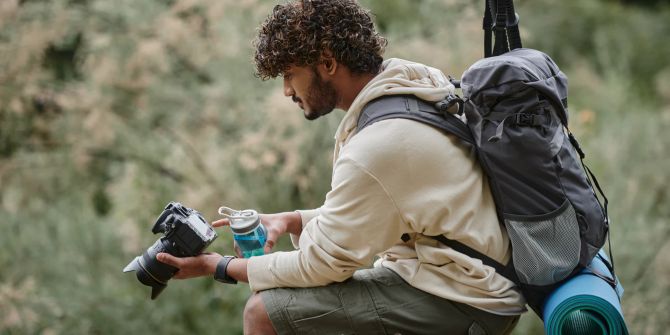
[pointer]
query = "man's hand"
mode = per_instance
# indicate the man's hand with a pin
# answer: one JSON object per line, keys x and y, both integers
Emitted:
{"x": 190, "y": 267}
{"x": 275, "y": 224}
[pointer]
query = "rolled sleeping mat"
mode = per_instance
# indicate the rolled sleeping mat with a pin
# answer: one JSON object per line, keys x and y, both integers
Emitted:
{"x": 586, "y": 304}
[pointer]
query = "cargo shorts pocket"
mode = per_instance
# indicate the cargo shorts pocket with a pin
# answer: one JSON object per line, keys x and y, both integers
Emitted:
{"x": 476, "y": 329}
{"x": 331, "y": 322}
{"x": 320, "y": 310}
{"x": 340, "y": 308}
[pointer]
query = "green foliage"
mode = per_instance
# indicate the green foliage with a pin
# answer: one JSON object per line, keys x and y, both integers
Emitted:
{"x": 612, "y": 39}
{"x": 110, "y": 109}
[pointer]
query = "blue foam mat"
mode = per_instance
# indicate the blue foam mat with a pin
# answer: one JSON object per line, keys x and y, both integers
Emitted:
{"x": 586, "y": 304}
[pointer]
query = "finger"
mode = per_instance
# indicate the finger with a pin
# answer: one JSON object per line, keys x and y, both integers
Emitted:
{"x": 238, "y": 251}
{"x": 271, "y": 240}
{"x": 221, "y": 223}
{"x": 179, "y": 275}
{"x": 268, "y": 246}
{"x": 169, "y": 259}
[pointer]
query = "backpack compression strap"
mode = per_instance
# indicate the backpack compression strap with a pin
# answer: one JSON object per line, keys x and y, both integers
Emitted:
{"x": 411, "y": 108}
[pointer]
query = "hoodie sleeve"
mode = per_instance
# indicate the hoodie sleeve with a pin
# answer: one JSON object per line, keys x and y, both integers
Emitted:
{"x": 305, "y": 216}
{"x": 345, "y": 235}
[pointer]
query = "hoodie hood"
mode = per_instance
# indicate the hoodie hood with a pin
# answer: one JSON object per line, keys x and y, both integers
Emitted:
{"x": 396, "y": 77}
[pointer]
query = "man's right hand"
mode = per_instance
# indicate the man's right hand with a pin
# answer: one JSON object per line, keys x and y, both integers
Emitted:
{"x": 275, "y": 224}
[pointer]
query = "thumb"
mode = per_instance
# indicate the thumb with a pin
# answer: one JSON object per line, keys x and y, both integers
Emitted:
{"x": 271, "y": 240}
{"x": 168, "y": 259}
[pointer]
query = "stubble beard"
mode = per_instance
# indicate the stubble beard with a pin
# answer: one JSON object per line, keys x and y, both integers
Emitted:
{"x": 321, "y": 98}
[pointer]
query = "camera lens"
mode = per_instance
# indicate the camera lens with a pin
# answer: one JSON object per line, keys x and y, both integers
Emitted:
{"x": 150, "y": 271}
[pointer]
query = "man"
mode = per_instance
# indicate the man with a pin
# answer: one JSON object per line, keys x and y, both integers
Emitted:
{"x": 396, "y": 178}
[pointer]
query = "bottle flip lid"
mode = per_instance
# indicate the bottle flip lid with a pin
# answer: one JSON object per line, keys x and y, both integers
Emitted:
{"x": 241, "y": 222}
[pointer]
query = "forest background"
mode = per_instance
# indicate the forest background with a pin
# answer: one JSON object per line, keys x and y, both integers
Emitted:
{"x": 111, "y": 109}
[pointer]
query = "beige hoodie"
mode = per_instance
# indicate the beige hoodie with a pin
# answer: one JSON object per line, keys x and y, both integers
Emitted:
{"x": 399, "y": 176}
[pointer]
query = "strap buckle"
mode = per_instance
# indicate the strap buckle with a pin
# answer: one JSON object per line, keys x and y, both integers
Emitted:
{"x": 451, "y": 99}
{"x": 525, "y": 119}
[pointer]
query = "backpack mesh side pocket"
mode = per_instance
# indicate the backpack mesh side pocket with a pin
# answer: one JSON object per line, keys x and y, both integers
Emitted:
{"x": 545, "y": 248}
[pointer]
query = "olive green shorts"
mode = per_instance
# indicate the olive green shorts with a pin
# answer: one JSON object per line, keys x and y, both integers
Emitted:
{"x": 375, "y": 301}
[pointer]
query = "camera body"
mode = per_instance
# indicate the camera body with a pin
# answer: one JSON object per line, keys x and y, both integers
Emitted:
{"x": 185, "y": 233}
{"x": 185, "y": 230}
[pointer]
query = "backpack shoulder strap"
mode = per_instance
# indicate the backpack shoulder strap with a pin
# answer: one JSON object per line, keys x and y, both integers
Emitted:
{"x": 412, "y": 108}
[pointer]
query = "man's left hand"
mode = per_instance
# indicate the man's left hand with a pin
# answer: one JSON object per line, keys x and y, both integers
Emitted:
{"x": 191, "y": 267}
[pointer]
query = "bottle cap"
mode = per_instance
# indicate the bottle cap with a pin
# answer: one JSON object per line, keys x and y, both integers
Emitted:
{"x": 241, "y": 222}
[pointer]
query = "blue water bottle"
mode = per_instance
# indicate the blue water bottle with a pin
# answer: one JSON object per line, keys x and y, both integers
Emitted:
{"x": 248, "y": 232}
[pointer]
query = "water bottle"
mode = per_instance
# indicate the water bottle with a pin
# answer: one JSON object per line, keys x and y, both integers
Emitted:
{"x": 248, "y": 232}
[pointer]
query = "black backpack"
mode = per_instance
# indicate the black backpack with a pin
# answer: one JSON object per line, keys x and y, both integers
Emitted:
{"x": 515, "y": 104}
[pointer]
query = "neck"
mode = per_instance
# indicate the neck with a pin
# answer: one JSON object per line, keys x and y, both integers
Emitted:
{"x": 349, "y": 89}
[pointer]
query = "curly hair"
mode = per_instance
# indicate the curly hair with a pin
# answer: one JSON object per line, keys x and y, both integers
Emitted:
{"x": 298, "y": 32}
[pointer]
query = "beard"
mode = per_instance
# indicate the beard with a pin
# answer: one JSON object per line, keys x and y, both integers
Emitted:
{"x": 321, "y": 98}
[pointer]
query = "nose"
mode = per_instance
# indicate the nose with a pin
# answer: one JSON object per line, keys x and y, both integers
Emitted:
{"x": 288, "y": 90}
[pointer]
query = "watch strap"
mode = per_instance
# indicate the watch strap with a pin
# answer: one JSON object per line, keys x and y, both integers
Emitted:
{"x": 221, "y": 273}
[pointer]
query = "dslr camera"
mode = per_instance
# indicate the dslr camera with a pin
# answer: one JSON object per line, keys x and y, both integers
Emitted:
{"x": 185, "y": 234}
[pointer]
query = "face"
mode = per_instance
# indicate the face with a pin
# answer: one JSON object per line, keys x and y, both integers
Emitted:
{"x": 314, "y": 95}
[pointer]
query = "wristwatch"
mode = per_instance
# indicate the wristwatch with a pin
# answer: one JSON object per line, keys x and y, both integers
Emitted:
{"x": 220, "y": 274}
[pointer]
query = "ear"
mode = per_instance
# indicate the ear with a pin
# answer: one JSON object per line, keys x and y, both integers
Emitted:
{"x": 329, "y": 62}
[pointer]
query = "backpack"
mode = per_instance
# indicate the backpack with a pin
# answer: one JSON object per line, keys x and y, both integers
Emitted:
{"x": 515, "y": 104}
